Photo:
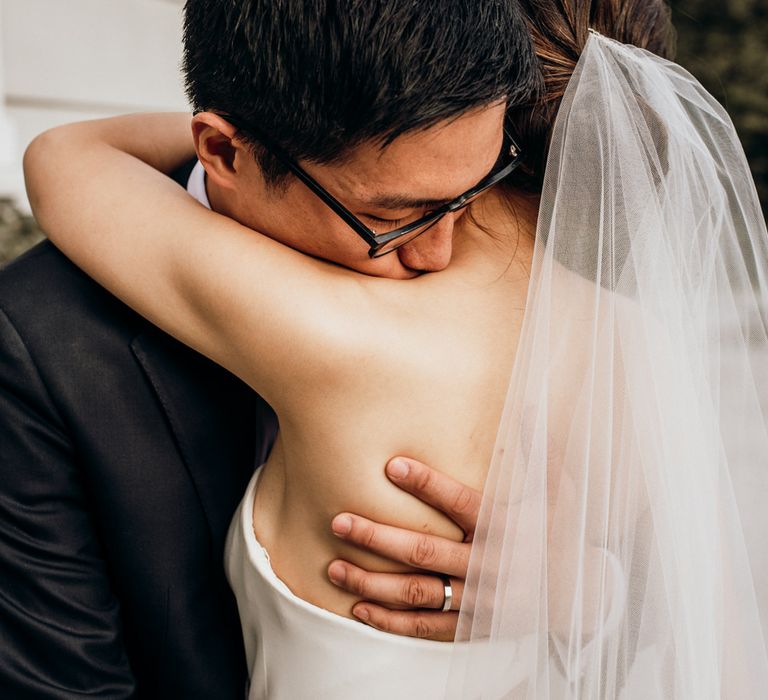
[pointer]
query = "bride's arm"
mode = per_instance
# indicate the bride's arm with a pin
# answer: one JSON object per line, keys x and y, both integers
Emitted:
{"x": 252, "y": 305}
{"x": 163, "y": 141}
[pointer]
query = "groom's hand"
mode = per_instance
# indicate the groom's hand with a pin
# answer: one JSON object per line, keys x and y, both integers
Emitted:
{"x": 411, "y": 604}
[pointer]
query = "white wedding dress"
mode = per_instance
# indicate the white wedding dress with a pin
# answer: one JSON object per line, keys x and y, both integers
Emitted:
{"x": 619, "y": 553}
{"x": 298, "y": 651}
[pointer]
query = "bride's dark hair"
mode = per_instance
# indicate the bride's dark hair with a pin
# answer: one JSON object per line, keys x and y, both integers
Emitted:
{"x": 560, "y": 29}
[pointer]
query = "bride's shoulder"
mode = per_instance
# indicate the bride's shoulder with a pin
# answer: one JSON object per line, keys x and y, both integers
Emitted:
{"x": 596, "y": 325}
{"x": 597, "y": 298}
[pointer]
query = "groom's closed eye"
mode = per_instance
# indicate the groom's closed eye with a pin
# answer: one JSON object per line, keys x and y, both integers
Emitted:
{"x": 418, "y": 208}
{"x": 391, "y": 223}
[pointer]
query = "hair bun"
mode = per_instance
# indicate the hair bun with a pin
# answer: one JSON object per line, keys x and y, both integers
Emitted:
{"x": 559, "y": 30}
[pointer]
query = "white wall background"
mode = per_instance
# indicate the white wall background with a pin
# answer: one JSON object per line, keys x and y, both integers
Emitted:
{"x": 65, "y": 60}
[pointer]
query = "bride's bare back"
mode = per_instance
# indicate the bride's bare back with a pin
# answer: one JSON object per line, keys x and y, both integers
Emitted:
{"x": 428, "y": 380}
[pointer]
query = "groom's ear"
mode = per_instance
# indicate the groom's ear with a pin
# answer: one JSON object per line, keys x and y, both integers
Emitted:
{"x": 218, "y": 148}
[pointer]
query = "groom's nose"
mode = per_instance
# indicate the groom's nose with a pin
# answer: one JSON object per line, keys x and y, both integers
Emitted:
{"x": 431, "y": 251}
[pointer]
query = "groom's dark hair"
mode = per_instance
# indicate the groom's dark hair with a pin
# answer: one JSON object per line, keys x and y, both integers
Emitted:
{"x": 320, "y": 77}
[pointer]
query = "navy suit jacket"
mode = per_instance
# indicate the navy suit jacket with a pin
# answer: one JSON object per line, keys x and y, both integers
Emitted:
{"x": 123, "y": 455}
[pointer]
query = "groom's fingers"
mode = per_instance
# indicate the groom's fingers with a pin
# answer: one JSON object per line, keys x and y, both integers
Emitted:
{"x": 416, "y": 549}
{"x": 395, "y": 590}
{"x": 425, "y": 624}
{"x": 458, "y": 501}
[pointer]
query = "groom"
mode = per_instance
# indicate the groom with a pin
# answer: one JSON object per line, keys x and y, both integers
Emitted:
{"x": 124, "y": 454}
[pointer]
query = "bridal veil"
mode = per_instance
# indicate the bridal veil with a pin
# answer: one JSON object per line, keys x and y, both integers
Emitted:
{"x": 620, "y": 552}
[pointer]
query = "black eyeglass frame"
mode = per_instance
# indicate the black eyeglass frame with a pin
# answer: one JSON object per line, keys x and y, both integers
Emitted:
{"x": 377, "y": 241}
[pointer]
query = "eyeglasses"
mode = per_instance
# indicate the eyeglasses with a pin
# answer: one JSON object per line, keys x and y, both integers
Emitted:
{"x": 380, "y": 244}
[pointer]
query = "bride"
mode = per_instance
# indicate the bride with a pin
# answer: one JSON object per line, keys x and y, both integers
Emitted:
{"x": 598, "y": 367}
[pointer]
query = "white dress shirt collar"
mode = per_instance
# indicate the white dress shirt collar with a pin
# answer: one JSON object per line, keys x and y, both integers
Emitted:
{"x": 196, "y": 185}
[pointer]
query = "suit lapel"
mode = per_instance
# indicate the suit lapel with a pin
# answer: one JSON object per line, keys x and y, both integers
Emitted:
{"x": 222, "y": 429}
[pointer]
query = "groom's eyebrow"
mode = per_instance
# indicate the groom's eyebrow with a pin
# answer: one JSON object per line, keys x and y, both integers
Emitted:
{"x": 402, "y": 201}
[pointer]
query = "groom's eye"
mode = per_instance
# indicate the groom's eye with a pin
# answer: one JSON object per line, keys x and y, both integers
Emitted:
{"x": 389, "y": 223}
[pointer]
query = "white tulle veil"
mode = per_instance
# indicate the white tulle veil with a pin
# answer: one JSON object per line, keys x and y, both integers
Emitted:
{"x": 621, "y": 550}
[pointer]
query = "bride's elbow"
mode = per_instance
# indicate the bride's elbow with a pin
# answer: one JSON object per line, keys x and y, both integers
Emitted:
{"x": 40, "y": 167}
{"x": 50, "y": 161}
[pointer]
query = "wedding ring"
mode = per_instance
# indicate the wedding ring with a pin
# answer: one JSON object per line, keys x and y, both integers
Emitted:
{"x": 447, "y": 592}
